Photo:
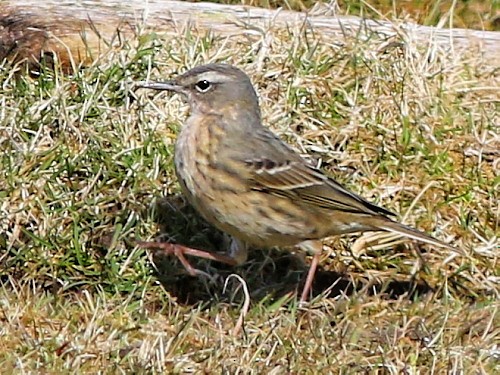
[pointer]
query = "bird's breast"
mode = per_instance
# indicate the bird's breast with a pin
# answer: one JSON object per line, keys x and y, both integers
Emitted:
{"x": 202, "y": 171}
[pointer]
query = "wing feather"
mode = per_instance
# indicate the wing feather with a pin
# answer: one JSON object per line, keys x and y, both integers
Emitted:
{"x": 277, "y": 169}
{"x": 298, "y": 180}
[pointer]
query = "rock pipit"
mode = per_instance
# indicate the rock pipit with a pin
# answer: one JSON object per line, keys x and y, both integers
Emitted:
{"x": 249, "y": 184}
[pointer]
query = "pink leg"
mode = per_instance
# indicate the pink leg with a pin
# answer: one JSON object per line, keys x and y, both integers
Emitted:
{"x": 179, "y": 251}
{"x": 310, "y": 278}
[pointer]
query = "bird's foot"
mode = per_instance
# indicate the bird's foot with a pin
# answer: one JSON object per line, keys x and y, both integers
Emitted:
{"x": 179, "y": 251}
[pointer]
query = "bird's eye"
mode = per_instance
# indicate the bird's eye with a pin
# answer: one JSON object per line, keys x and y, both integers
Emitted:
{"x": 203, "y": 86}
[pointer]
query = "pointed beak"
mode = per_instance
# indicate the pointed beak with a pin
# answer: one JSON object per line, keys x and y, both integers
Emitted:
{"x": 167, "y": 85}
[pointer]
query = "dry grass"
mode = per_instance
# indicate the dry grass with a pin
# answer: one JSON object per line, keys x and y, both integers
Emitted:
{"x": 87, "y": 167}
{"x": 472, "y": 14}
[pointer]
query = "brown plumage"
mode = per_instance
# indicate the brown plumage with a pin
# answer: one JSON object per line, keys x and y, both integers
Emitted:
{"x": 248, "y": 183}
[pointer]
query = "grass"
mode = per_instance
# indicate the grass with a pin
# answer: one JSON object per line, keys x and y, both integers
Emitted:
{"x": 473, "y": 14}
{"x": 87, "y": 167}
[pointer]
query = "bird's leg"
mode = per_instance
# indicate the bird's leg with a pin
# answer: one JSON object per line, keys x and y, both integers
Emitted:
{"x": 180, "y": 251}
{"x": 310, "y": 277}
{"x": 314, "y": 247}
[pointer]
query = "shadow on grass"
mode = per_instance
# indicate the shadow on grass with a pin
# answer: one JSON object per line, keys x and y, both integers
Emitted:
{"x": 267, "y": 273}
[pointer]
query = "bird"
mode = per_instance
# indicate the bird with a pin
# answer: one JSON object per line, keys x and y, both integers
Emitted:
{"x": 247, "y": 182}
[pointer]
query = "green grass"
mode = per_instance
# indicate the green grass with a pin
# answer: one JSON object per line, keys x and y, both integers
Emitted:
{"x": 87, "y": 168}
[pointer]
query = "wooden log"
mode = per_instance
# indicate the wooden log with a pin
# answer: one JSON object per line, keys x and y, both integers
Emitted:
{"x": 79, "y": 31}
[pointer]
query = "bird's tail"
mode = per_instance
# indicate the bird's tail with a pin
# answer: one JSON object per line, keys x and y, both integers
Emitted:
{"x": 393, "y": 226}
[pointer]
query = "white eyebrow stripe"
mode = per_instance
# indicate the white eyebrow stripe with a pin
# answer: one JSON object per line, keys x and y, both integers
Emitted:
{"x": 215, "y": 77}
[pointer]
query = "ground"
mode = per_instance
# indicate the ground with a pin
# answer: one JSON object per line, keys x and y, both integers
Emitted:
{"x": 87, "y": 168}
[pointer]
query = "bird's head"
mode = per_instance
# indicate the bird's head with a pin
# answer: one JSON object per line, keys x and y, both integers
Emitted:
{"x": 214, "y": 88}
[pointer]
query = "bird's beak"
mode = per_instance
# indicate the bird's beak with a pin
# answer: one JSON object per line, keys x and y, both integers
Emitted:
{"x": 167, "y": 85}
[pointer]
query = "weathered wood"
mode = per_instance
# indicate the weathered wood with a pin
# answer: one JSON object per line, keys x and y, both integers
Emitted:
{"x": 79, "y": 31}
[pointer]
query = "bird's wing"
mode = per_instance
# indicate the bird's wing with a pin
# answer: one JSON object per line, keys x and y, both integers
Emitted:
{"x": 279, "y": 170}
